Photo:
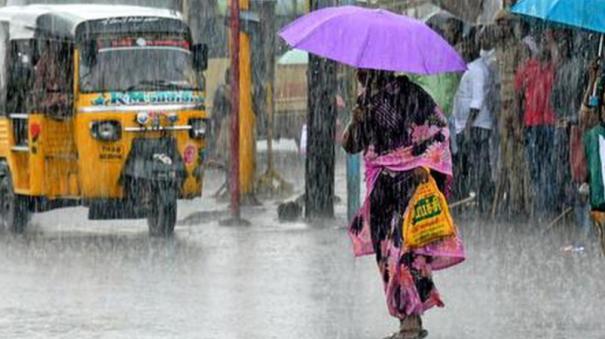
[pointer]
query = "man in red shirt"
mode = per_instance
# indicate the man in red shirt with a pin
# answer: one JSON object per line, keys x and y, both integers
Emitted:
{"x": 534, "y": 82}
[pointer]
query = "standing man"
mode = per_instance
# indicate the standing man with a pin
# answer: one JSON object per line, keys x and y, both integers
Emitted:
{"x": 567, "y": 94}
{"x": 221, "y": 127}
{"x": 592, "y": 126}
{"x": 511, "y": 197}
{"x": 473, "y": 112}
{"x": 534, "y": 79}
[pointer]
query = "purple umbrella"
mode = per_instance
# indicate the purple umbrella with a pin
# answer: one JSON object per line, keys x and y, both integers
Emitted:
{"x": 373, "y": 39}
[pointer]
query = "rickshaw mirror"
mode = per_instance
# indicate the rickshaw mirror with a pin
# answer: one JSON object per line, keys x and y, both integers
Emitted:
{"x": 89, "y": 53}
{"x": 200, "y": 57}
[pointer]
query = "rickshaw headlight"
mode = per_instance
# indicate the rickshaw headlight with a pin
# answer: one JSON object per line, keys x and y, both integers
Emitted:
{"x": 142, "y": 118}
{"x": 198, "y": 128}
{"x": 172, "y": 117}
{"x": 109, "y": 130}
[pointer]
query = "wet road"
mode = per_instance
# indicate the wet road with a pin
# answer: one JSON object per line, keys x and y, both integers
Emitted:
{"x": 72, "y": 278}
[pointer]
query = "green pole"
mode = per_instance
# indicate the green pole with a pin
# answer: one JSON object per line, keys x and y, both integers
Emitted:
{"x": 353, "y": 186}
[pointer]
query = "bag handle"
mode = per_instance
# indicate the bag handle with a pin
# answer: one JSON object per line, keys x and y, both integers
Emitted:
{"x": 429, "y": 177}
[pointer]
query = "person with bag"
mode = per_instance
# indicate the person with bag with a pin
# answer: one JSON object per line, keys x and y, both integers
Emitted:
{"x": 592, "y": 120}
{"x": 405, "y": 142}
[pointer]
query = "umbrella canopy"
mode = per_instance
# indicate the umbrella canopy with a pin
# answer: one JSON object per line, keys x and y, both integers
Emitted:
{"x": 586, "y": 14}
{"x": 373, "y": 39}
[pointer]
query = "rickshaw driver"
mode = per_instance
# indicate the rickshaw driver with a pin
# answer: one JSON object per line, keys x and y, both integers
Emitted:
{"x": 51, "y": 84}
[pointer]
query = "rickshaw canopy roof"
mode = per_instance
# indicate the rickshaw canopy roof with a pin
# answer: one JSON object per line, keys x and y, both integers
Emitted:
{"x": 63, "y": 20}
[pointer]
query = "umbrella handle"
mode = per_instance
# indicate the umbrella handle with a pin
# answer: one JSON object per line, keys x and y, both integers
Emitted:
{"x": 594, "y": 88}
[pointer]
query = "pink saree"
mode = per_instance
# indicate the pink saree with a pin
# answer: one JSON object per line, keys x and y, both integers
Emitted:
{"x": 400, "y": 280}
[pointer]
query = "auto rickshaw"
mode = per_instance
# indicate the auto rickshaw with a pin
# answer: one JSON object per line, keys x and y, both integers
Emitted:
{"x": 100, "y": 106}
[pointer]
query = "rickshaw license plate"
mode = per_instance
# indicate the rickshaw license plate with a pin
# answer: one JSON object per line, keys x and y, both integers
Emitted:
{"x": 110, "y": 152}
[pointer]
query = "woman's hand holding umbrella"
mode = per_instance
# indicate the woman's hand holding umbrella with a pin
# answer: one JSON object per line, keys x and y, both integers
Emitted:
{"x": 358, "y": 114}
{"x": 351, "y": 137}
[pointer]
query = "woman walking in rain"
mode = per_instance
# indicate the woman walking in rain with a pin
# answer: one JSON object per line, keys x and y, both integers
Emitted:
{"x": 400, "y": 131}
{"x": 403, "y": 136}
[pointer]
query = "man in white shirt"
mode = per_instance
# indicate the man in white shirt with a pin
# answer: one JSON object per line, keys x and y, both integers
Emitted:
{"x": 474, "y": 106}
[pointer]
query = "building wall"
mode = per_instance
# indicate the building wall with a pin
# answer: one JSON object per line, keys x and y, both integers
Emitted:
{"x": 173, "y": 4}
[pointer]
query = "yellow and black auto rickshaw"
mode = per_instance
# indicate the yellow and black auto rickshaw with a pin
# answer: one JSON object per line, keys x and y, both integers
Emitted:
{"x": 100, "y": 106}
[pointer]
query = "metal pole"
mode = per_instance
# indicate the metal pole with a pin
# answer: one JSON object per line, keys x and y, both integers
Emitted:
{"x": 235, "y": 44}
{"x": 269, "y": 126}
{"x": 269, "y": 59}
{"x": 185, "y": 10}
{"x": 247, "y": 118}
{"x": 270, "y": 183}
{"x": 353, "y": 160}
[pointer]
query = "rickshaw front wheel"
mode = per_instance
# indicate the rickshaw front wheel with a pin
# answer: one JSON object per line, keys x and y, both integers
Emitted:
{"x": 162, "y": 215}
{"x": 13, "y": 207}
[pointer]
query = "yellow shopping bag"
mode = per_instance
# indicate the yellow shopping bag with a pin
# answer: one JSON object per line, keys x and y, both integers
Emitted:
{"x": 427, "y": 218}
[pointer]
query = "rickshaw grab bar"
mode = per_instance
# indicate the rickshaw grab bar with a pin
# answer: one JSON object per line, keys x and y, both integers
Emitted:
{"x": 161, "y": 128}
{"x": 134, "y": 108}
{"x": 20, "y": 148}
{"x": 22, "y": 116}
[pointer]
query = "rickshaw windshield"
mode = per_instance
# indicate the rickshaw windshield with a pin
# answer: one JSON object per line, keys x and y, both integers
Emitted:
{"x": 138, "y": 66}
